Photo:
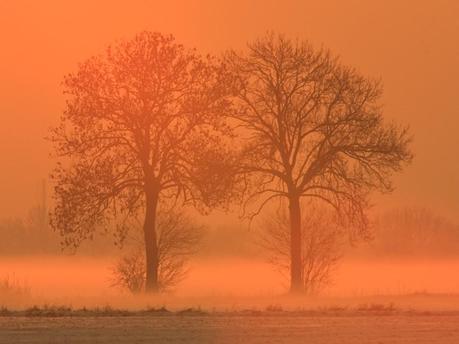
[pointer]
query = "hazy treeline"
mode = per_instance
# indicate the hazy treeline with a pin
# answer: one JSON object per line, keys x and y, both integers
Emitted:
{"x": 411, "y": 231}
{"x": 398, "y": 232}
{"x": 31, "y": 235}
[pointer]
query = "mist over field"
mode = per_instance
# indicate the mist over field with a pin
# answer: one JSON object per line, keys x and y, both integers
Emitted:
{"x": 229, "y": 171}
{"x": 232, "y": 270}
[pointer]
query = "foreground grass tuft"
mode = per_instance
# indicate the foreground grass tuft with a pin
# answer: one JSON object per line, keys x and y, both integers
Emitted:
{"x": 12, "y": 288}
{"x": 376, "y": 307}
{"x": 52, "y": 311}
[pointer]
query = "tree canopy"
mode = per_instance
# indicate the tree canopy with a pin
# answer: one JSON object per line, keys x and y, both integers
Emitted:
{"x": 313, "y": 128}
{"x": 143, "y": 123}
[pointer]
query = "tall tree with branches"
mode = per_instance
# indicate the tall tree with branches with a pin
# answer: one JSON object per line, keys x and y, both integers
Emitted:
{"x": 314, "y": 129}
{"x": 143, "y": 124}
{"x": 322, "y": 244}
{"x": 178, "y": 239}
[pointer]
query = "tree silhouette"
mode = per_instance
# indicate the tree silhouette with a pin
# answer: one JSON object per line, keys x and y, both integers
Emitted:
{"x": 314, "y": 129}
{"x": 142, "y": 125}
{"x": 178, "y": 239}
{"x": 322, "y": 244}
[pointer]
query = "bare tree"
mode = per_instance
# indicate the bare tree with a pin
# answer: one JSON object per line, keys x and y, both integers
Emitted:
{"x": 178, "y": 240}
{"x": 322, "y": 240}
{"x": 314, "y": 129}
{"x": 129, "y": 272}
{"x": 142, "y": 124}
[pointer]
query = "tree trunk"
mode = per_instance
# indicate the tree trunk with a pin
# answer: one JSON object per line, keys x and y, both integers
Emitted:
{"x": 296, "y": 269}
{"x": 151, "y": 246}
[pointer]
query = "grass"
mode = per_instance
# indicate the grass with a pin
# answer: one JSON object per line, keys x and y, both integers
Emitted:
{"x": 274, "y": 308}
{"x": 10, "y": 288}
{"x": 54, "y": 311}
{"x": 376, "y": 307}
{"x": 107, "y": 311}
{"x": 9, "y": 285}
{"x": 36, "y": 307}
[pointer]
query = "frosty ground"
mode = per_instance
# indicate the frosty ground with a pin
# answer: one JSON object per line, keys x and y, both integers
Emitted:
{"x": 241, "y": 327}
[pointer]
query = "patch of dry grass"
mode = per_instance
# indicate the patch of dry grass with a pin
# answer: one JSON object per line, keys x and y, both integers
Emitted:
{"x": 11, "y": 288}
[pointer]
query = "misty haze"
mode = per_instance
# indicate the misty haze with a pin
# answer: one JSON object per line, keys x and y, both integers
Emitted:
{"x": 229, "y": 172}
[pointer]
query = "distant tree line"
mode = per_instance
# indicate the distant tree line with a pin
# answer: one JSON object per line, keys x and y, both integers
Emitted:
{"x": 414, "y": 232}
{"x": 28, "y": 235}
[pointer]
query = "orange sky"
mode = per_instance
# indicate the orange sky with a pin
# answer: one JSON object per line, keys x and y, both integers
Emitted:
{"x": 412, "y": 45}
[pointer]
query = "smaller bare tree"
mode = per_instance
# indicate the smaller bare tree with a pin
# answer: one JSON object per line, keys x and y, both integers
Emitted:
{"x": 322, "y": 239}
{"x": 129, "y": 272}
{"x": 178, "y": 239}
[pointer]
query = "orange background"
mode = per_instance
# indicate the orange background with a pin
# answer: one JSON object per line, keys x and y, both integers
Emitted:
{"x": 412, "y": 45}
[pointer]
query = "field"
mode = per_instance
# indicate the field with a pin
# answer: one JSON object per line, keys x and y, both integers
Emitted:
{"x": 69, "y": 300}
{"x": 235, "y": 328}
